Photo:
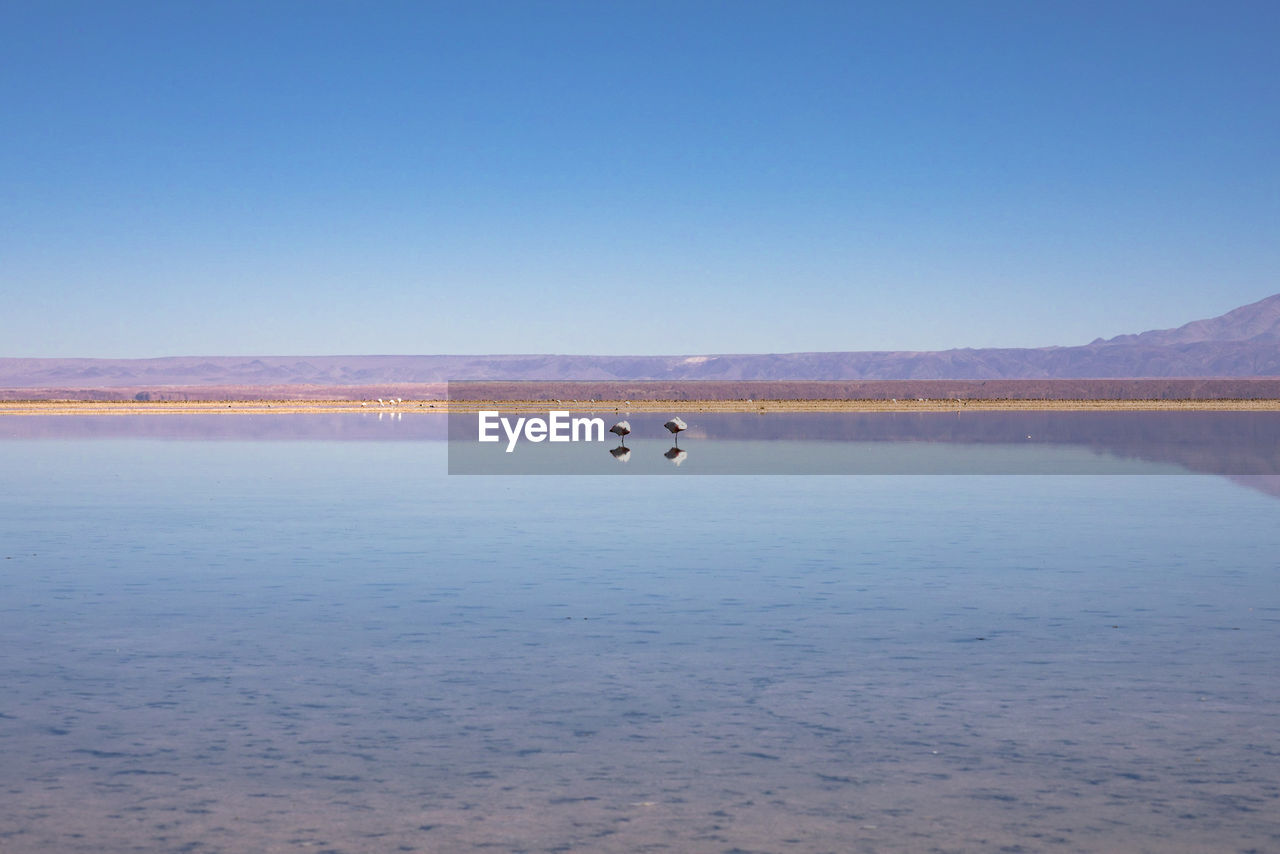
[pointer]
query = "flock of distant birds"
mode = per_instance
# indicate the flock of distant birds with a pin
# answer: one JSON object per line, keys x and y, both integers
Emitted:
{"x": 391, "y": 401}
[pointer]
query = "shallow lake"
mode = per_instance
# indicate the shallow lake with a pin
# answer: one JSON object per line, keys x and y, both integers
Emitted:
{"x": 284, "y": 633}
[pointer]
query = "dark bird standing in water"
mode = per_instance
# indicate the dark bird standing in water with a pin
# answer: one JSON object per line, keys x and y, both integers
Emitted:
{"x": 675, "y": 425}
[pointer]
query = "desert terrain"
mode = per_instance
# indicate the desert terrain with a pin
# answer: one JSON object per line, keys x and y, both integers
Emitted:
{"x": 280, "y": 407}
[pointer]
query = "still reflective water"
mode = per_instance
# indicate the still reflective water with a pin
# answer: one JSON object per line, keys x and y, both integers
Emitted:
{"x": 993, "y": 442}
{"x": 224, "y": 644}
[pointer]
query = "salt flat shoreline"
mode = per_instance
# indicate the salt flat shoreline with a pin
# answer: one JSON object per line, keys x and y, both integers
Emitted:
{"x": 285, "y": 407}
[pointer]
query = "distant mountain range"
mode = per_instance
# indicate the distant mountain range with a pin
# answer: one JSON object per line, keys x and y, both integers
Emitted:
{"x": 1241, "y": 343}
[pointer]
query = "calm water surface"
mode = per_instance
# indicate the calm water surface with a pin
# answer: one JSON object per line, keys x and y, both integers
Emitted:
{"x": 305, "y": 645}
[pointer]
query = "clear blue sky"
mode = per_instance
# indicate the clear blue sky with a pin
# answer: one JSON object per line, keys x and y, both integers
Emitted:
{"x": 645, "y": 177}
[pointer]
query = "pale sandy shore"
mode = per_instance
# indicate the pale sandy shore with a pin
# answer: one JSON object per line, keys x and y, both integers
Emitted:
{"x": 274, "y": 407}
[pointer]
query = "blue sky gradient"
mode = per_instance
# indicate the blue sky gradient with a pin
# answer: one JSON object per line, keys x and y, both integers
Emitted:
{"x": 332, "y": 177}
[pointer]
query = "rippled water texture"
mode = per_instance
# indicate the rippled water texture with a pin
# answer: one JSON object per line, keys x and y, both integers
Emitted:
{"x": 258, "y": 644}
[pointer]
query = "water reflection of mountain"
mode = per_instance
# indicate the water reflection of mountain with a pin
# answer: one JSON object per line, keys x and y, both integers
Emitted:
{"x": 1208, "y": 442}
{"x": 258, "y": 427}
{"x": 1268, "y": 483}
{"x": 1232, "y": 443}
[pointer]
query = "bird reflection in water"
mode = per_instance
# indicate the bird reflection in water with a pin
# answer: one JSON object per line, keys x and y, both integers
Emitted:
{"x": 621, "y": 453}
{"x": 676, "y": 455}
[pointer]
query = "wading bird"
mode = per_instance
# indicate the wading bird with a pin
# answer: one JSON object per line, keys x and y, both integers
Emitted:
{"x": 675, "y": 425}
{"x": 621, "y": 429}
